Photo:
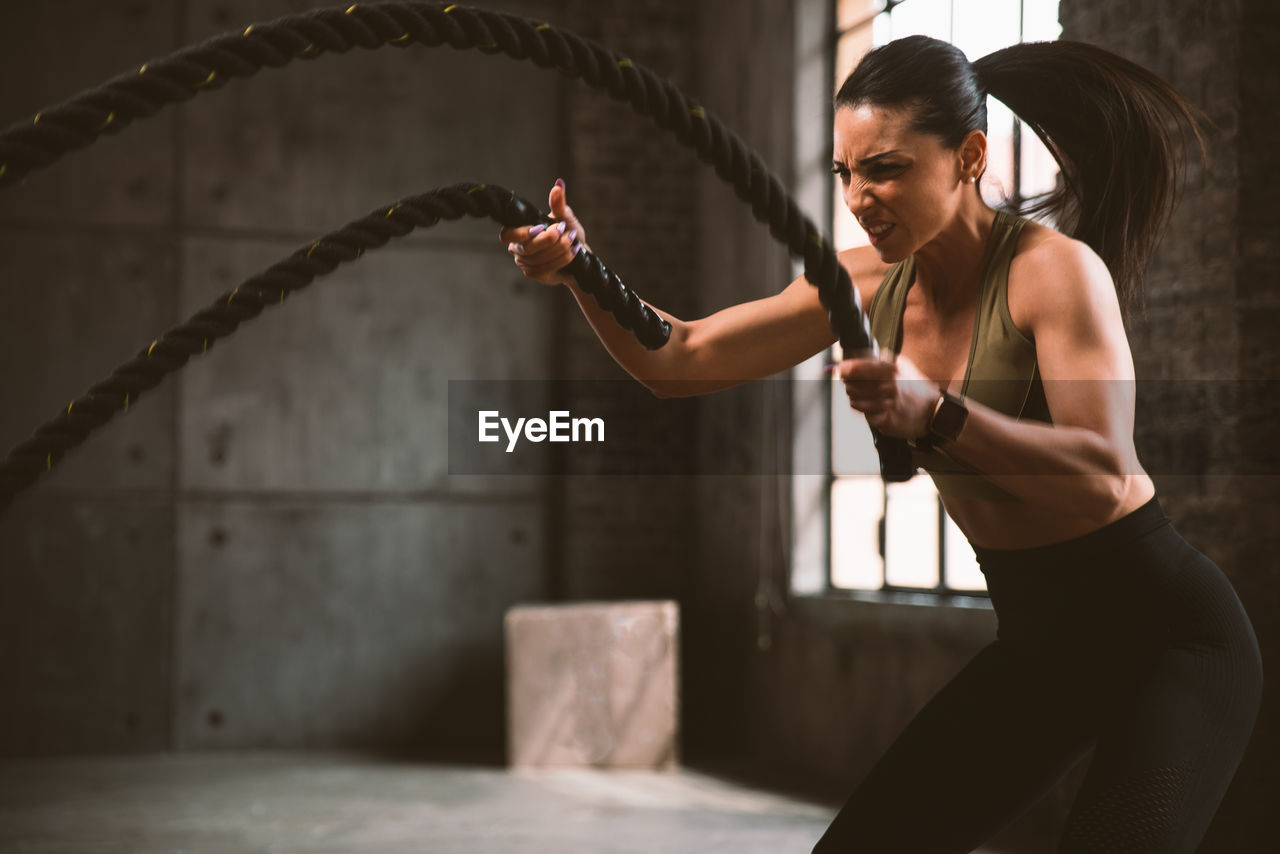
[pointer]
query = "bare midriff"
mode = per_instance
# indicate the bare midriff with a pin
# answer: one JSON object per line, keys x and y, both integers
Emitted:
{"x": 1018, "y": 524}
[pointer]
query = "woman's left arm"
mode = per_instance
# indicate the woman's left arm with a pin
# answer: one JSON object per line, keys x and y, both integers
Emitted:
{"x": 1085, "y": 462}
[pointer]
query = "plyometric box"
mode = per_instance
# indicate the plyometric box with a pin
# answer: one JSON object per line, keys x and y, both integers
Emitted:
{"x": 593, "y": 684}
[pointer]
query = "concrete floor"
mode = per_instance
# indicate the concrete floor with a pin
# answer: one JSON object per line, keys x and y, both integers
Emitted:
{"x": 291, "y": 802}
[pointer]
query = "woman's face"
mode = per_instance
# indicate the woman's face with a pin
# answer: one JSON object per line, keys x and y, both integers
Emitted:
{"x": 903, "y": 186}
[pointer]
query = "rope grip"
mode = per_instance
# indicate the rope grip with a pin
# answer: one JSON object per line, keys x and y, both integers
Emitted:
{"x": 602, "y": 284}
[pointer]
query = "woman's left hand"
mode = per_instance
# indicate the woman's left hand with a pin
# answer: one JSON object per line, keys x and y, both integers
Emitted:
{"x": 895, "y": 397}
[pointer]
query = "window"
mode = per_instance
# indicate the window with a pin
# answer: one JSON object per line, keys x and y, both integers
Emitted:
{"x": 896, "y": 537}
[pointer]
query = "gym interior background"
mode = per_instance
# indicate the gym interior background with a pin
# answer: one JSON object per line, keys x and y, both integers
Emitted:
{"x": 268, "y": 551}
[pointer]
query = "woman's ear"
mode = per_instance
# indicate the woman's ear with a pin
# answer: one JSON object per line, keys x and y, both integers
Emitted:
{"x": 973, "y": 155}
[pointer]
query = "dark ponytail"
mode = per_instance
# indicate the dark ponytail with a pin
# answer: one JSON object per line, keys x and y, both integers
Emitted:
{"x": 1113, "y": 127}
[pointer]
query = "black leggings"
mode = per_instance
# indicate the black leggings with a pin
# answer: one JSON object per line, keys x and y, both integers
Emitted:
{"x": 1126, "y": 640}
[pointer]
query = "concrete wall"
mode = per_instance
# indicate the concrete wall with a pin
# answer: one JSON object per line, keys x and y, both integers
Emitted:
{"x": 268, "y": 550}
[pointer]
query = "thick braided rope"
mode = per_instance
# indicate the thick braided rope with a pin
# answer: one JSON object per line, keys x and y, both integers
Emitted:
{"x": 180, "y": 76}
{"x": 92, "y": 410}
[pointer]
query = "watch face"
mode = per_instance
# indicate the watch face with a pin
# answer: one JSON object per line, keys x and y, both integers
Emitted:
{"x": 949, "y": 418}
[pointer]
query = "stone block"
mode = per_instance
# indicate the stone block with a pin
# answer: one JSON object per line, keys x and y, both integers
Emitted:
{"x": 593, "y": 684}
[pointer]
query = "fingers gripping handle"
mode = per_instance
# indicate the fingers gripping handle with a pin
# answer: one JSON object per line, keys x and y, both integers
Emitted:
{"x": 599, "y": 281}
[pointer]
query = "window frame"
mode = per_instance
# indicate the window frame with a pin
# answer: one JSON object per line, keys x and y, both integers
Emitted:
{"x": 943, "y": 593}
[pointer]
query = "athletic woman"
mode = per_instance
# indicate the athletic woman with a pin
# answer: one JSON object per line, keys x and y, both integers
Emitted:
{"x": 1014, "y": 384}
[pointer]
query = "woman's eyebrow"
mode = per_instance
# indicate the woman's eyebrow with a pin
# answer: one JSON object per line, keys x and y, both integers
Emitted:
{"x": 867, "y": 161}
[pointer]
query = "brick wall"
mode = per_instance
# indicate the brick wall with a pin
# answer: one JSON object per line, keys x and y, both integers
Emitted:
{"x": 1211, "y": 316}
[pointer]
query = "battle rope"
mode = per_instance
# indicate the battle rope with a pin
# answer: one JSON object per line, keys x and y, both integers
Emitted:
{"x": 78, "y": 122}
{"x": 272, "y": 286}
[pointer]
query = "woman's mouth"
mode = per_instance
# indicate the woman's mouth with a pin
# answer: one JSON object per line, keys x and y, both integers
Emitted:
{"x": 878, "y": 232}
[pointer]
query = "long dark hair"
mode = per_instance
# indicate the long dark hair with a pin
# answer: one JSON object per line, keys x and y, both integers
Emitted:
{"x": 1114, "y": 127}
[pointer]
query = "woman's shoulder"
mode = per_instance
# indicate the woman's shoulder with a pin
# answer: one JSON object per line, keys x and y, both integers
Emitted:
{"x": 1041, "y": 249}
{"x": 1050, "y": 269}
{"x": 865, "y": 269}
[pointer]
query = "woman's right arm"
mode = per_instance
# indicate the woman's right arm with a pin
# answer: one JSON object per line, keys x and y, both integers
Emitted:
{"x": 735, "y": 345}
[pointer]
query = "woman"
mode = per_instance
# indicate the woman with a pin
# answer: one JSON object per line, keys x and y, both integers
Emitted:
{"x": 1013, "y": 381}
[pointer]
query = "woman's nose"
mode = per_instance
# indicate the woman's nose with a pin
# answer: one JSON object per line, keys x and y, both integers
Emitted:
{"x": 858, "y": 199}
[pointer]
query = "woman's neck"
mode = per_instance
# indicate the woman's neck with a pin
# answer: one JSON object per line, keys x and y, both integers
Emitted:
{"x": 949, "y": 267}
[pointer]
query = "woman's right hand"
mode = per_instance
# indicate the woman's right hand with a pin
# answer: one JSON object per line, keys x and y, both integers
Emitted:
{"x": 542, "y": 251}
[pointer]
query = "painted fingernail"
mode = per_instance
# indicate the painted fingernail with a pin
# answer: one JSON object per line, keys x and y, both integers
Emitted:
{"x": 562, "y": 226}
{"x": 537, "y": 229}
{"x": 572, "y": 235}
{"x": 560, "y": 183}
{"x": 831, "y": 366}
{"x": 577, "y": 247}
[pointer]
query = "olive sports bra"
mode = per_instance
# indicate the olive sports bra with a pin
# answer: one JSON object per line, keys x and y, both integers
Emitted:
{"x": 1001, "y": 372}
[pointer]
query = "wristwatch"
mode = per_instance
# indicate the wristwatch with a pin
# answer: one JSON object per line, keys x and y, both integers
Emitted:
{"x": 946, "y": 421}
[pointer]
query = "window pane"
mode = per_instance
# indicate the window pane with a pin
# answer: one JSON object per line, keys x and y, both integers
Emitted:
{"x": 911, "y": 534}
{"x": 850, "y": 13}
{"x": 997, "y": 181}
{"x": 1039, "y": 169}
{"x": 857, "y": 504}
{"x": 983, "y": 26}
{"x": 851, "y": 48}
{"x": 881, "y": 32}
{"x": 922, "y": 18}
{"x": 962, "y": 565}
{"x": 1040, "y": 21}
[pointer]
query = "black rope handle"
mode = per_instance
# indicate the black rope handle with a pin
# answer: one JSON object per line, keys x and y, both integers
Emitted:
{"x": 92, "y": 410}
{"x": 76, "y": 123}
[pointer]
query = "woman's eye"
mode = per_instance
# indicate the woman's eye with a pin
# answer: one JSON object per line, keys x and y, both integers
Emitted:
{"x": 885, "y": 170}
